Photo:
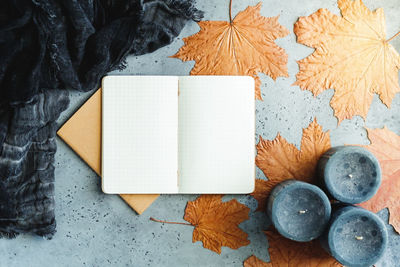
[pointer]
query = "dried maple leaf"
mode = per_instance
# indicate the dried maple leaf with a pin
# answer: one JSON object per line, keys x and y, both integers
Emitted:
{"x": 285, "y": 252}
{"x": 386, "y": 147}
{"x": 253, "y": 261}
{"x": 280, "y": 160}
{"x": 351, "y": 56}
{"x": 243, "y": 46}
{"x": 259, "y": 193}
{"x": 216, "y": 222}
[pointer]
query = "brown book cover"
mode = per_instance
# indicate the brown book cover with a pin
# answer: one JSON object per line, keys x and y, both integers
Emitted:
{"x": 82, "y": 132}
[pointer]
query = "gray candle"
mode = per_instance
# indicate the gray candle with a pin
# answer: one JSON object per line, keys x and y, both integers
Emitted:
{"x": 299, "y": 211}
{"x": 350, "y": 174}
{"x": 355, "y": 237}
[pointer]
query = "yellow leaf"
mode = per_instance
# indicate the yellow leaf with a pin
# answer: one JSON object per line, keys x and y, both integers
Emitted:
{"x": 352, "y": 56}
{"x": 244, "y": 47}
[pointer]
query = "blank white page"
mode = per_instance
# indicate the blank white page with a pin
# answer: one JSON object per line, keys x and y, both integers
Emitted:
{"x": 140, "y": 134}
{"x": 216, "y": 134}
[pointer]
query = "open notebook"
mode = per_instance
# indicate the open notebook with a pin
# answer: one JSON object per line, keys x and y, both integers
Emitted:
{"x": 169, "y": 134}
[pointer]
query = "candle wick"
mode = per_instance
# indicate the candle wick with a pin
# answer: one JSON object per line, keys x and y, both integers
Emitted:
{"x": 350, "y": 175}
{"x": 359, "y": 237}
{"x": 302, "y": 211}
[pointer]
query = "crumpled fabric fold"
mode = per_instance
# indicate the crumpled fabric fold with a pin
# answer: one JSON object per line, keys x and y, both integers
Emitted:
{"x": 46, "y": 48}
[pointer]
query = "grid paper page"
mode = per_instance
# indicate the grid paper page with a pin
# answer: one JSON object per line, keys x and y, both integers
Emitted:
{"x": 140, "y": 125}
{"x": 216, "y": 134}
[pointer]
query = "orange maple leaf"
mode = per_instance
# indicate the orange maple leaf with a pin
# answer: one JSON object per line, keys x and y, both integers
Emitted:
{"x": 285, "y": 252}
{"x": 253, "y": 261}
{"x": 260, "y": 193}
{"x": 280, "y": 160}
{"x": 386, "y": 147}
{"x": 352, "y": 56}
{"x": 243, "y": 46}
{"x": 216, "y": 222}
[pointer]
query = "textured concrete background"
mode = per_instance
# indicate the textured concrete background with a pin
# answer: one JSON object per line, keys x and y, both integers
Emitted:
{"x": 101, "y": 230}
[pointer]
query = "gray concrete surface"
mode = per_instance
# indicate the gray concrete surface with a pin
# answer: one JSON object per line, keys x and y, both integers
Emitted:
{"x": 101, "y": 230}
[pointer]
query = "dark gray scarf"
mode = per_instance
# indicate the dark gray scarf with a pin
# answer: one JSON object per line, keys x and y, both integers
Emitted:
{"x": 47, "y": 46}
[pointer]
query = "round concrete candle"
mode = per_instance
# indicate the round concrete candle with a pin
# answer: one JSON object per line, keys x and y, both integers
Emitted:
{"x": 355, "y": 237}
{"x": 299, "y": 211}
{"x": 350, "y": 174}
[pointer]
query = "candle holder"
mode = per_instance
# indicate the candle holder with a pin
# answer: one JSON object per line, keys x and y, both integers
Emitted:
{"x": 356, "y": 237}
{"x": 299, "y": 211}
{"x": 350, "y": 174}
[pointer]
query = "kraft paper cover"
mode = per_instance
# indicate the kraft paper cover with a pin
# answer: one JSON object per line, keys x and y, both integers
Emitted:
{"x": 82, "y": 132}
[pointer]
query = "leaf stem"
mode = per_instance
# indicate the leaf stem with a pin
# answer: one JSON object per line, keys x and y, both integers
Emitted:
{"x": 160, "y": 221}
{"x": 394, "y": 36}
{"x": 230, "y": 11}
